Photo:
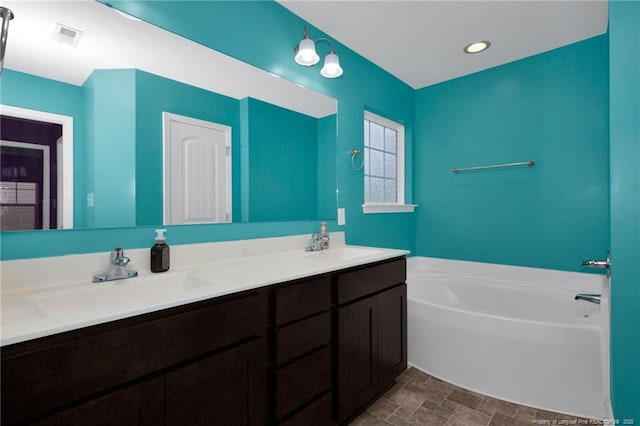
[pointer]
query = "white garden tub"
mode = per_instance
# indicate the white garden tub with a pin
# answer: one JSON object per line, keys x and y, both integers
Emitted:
{"x": 513, "y": 333}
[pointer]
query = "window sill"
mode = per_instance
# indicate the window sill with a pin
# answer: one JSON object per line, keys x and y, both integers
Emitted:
{"x": 388, "y": 208}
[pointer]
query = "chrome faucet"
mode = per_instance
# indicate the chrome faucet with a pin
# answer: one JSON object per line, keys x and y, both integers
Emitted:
{"x": 316, "y": 241}
{"x": 599, "y": 264}
{"x": 118, "y": 268}
{"x": 588, "y": 297}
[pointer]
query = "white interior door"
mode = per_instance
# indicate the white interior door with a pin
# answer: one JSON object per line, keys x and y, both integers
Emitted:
{"x": 197, "y": 176}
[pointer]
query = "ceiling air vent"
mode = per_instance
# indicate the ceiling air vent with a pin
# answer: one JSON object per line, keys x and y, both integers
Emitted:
{"x": 66, "y": 35}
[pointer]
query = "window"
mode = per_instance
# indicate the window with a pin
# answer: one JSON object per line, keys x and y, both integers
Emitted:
{"x": 383, "y": 165}
{"x": 18, "y": 204}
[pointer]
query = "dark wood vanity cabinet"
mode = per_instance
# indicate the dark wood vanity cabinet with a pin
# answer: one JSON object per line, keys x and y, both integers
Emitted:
{"x": 371, "y": 344}
{"x": 340, "y": 341}
{"x": 314, "y": 351}
{"x": 220, "y": 389}
{"x": 193, "y": 358}
{"x": 301, "y": 356}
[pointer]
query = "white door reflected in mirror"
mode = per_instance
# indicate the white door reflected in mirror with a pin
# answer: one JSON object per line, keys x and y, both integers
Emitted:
{"x": 197, "y": 174}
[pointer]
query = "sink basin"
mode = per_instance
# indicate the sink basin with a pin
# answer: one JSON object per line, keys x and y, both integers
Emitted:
{"x": 15, "y": 311}
{"x": 171, "y": 282}
{"x": 338, "y": 254}
{"x": 107, "y": 295}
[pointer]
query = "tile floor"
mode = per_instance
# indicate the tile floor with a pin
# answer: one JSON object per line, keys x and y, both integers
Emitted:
{"x": 421, "y": 399}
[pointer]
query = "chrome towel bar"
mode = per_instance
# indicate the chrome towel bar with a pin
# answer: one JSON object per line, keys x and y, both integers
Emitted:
{"x": 494, "y": 166}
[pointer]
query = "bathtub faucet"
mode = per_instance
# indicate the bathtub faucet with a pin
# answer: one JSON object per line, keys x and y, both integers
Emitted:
{"x": 588, "y": 297}
{"x": 599, "y": 264}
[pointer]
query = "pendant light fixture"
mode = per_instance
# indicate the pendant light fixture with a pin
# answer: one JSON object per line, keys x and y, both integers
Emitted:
{"x": 306, "y": 51}
{"x": 305, "y": 54}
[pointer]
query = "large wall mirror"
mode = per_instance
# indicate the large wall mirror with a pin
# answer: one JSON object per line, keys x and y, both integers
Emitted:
{"x": 86, "y": 92}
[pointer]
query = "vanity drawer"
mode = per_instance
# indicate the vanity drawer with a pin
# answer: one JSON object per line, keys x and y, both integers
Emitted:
{"x": 370, "y": 279}
{"x": 318, "y": 413}
{"x": 302, "y": 299}
{"x": 303, "y": 336}
{"x": 43, "y": 374}
{"x": 302, "y": 380}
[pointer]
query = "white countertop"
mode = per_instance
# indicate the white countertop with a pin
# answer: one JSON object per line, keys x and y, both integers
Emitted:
{"x": 38, "y": 312}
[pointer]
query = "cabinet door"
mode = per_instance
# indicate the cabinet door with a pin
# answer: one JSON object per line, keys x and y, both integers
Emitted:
{"x": 392, "y": 334}
{"x": 137, "y": 405}
{"x": 227, "y": 388}
{"x": 357, "y": 356}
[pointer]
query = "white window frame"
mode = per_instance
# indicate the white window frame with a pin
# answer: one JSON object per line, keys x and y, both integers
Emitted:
{"x": 399, "y": 206}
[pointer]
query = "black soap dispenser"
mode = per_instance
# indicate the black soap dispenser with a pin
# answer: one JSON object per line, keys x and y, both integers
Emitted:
{"x": 160, "y": 253}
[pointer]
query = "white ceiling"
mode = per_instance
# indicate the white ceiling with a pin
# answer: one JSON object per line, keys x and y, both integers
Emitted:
{"x": 110, "y": 41}
{"x": 421, "y": 42}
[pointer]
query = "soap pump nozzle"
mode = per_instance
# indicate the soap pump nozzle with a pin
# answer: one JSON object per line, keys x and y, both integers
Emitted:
{"x": 160, "y": 235}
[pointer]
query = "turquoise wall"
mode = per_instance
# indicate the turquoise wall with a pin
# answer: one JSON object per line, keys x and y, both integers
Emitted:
{"x": 110, "y": 136}
{"x": 275, "y": 31}
{"x": 155, "y": 94}
{"x": 26, "y": 91}
{"x": 363, "y": 86}
{"x": 282, "y": 150}
{"x": 326, "y": 167}
{"x": 551, "y": 108}
{"x": 31, "y": 244}
{"x": 624, "y": 62}
{"x": 85, "y": 217}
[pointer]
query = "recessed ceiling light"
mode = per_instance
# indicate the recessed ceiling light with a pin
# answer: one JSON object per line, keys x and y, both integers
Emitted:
{"x": 477, "y": 46}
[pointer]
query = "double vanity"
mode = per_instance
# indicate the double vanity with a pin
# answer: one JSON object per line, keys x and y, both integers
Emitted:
{"x": 236, "y": 335}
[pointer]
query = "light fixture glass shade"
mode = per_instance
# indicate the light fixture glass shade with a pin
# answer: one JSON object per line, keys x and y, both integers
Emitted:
{"x": 331, "y": 68}
{"x": 306, "y": 53}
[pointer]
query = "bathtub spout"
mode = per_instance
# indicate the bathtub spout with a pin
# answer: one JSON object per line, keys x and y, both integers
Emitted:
{"x": 593, "y": 298}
